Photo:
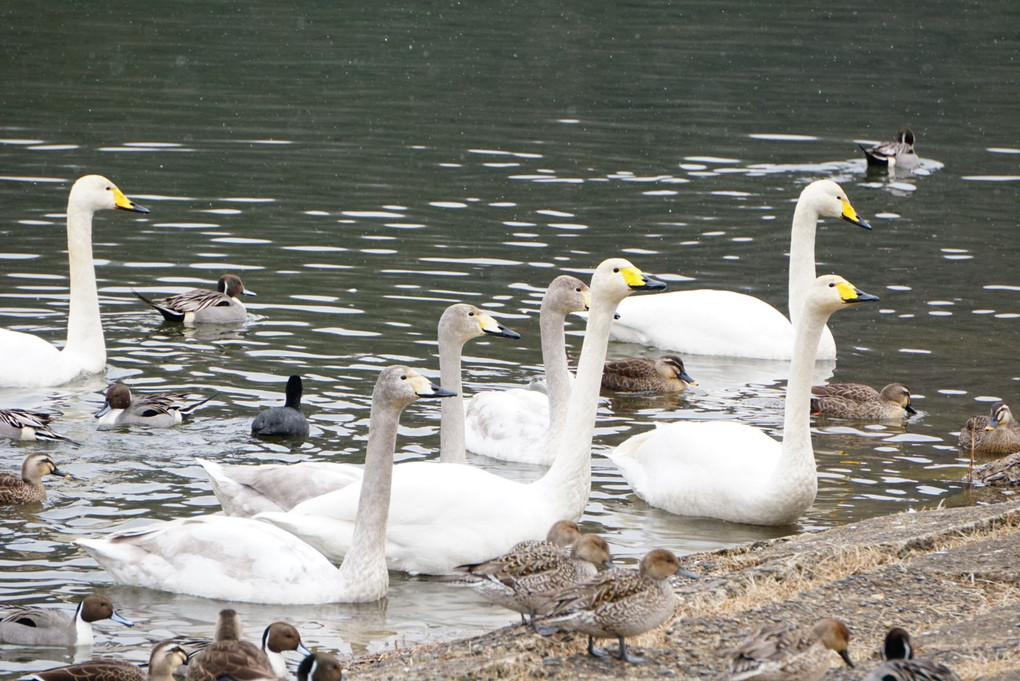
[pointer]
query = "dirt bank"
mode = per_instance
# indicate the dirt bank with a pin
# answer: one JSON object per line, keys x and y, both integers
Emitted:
{"x": 950, "y": 576}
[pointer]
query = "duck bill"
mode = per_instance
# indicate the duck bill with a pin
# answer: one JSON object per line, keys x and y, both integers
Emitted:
{"x": 303, "y": 649}
{"x": 850, "y": 215}
{"x": 117, "y": 617}
{"x": 122, "y": 202}
{"x": 686, "y": 378}
{"x": 846, "y": 658}
{"x": 686, "y": 573}
{"x": 61, "y": 474}
{"x": 104, "y": 411}
{"x": 910, "y": 410}
{"x": 246, "y": 292}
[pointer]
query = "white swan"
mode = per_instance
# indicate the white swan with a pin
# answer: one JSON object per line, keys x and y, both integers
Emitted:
{"x": 731, "y": 471}
{"x": 40, "y": 364}
{"x": 513, "y": 425}
{"x": 248, "y": 490}
{"x": 460, "y": 323}
{"x": 240, "y": 559}
{"x": 444, "y": 515}
{"x": 731, "y": 324}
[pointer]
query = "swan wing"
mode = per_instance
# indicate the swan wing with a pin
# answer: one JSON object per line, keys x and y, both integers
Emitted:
{"x": 248, "y": 490}
{"x": 510, "y": 425}
{"x": 711, "y": 322}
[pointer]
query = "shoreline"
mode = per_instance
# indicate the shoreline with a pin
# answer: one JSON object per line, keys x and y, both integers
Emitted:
{"x": 949, "y": 576}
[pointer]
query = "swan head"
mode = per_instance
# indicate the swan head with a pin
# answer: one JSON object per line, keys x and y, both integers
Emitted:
{"x": 95, "y": 192}
{"x": 462, "y": 322}
{"x": 616, "y": 278}
{"x": 831, "y": 292}
{"x": 898, "y": 394}
{"x": 829, "y": 200}
{"x": 400, "y": 386}
{"x": 1000, "y": 416}
{"x": 835, "y": 636}
{"x": 672, "y": 367}
{"x": 567, "y": 294}
{"x": 231, "y": 286}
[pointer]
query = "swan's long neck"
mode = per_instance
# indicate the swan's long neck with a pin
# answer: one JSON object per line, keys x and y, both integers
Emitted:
{"x": 364, "y": 566}
{"x": 796, "y": 468}
{"x": 554, "y": 358}
{"x": 84, "y": 328}
{"x": 451, "y": 426}
{"x": 568, "y": 482}
{"x": 802, "y": 257}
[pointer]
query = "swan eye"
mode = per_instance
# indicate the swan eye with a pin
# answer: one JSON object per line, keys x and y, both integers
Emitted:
{"x": 403, "y": 377}
{"x": 471, "y": 314}
{"x": 616, "y": 269}
{"x": 831, "y": 285}
{"x": 578, "y": 289}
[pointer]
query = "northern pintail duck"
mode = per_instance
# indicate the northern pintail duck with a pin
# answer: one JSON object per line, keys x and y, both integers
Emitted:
{"x": 442, "y": 514}
{"x": 39, "y": 363}
{"x": 200, "y": 306}
{"x": 200, "y": 555}
{"x": 997, "y": 433}
{"x": 620, "y": 602}
{"x": 857, "y": 401}
{"x": 156, "y": 410}
{"x": 896, "y": 154}
{"x": 640, "y": 374}
{"x": 27, "y": 487}
{"x": 49, "y": 627}
{"x": 22, "y": 424}
{"x": 320, "y": 667}
{"x": 166, "y": 657}
{"x": 278, "y": 638}
{"x": 286, "y": 421}
{"x": 789, "y": 653}
{"x": 228, "y": 655}
{"x": 523, "y": 581}
{"x": 517, "y": 424}
{"x": 900, "y": 664}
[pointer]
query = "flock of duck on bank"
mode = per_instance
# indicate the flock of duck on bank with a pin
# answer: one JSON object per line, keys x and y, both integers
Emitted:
{"x": 436, "y": 517}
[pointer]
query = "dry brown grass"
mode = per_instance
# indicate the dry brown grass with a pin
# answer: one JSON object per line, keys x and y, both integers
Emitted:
{"x": 977, "y": 667}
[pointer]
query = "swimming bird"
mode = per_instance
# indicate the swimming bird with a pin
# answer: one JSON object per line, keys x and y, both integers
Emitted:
{"x": 28, "y": 488}
{"x": 639, "y": 374}
{"x": 458, "y": 324}
{"x": 247, "y": 490}
{"x": 444, "y": 515}
{"x": 785, "y": 653}
{"x": 50, "y": 627}
{"x": 156, "y": 410}
{"x": 241, "y": 559}
{"x": 516, "y": 424}
{"x": 286, "y": 421}
{"x": 731, "y": 324}
{"x": 278, "y": 638}
{"x": 997, "y": 433}
{"x": 620, "y": 602}
{"x": 900, "y": 665}
{"x": 166, "y": 657}
{"x": 201, "y": 306}
{"x": 857, "y": 401}
{"x": 22, "y": 424}
{"x": 732, "y": 471}
{"x": 320, "y": 667}
{"x": 897, "y": 154}
{"x": 228, "y": 655}
{"x": 40, "y": 363}
{"x": 522, "y": 580}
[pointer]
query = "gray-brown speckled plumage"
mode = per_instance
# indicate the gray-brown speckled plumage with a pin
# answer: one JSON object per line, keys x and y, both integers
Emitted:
{"x": 996, "y": 433}
{"x": 640, "y": 374}
{"x": 790, "y": 653}
{"x": 165, "y": 658}
{"x": 228, "y": 655}
{"x": 27, "y": 487}
{"x": 858, "y": 401}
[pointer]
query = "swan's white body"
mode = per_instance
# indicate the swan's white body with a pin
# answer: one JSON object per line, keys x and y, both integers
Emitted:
{"x": 514, "y": 425}
{"x": 249, "y": 490}
{"x": 31, "y": 362}
{"x": 732, "y": 471}
{"x": 241, "y": 559}
{"x": 731, "y": 324}
{"x": 444, "y": 515}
